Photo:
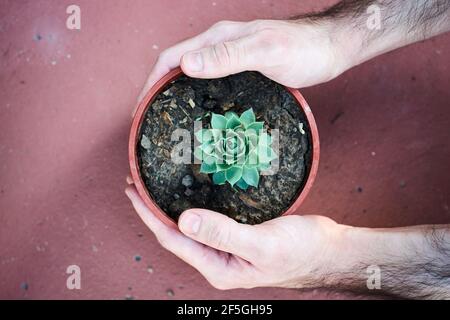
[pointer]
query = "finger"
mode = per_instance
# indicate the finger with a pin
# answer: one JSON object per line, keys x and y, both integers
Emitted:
{"x": 220, "y": 232}
{"x": 205, "y": 259}
{"x": 224, "y": 58}
{"x": 170, "y": 58}
{"x": 129, "y": 179}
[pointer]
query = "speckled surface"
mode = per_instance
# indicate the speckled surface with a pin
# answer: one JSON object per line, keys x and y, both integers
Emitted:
{"x": 65, "y": 103}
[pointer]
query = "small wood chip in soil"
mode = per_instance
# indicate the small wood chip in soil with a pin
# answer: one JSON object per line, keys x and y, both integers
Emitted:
{"x": 249, "y": 201}
{"x": 167, "y": 118}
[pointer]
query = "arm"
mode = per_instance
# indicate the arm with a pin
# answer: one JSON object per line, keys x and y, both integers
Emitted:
{"x": 308, "y": 252}
{"x": 412, "y": 262}
{"x": 363, "y": 29}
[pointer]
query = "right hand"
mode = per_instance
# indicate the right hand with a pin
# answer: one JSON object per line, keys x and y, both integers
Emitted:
{"x": 293, "y": 53}
{"x": 290, "y": 252}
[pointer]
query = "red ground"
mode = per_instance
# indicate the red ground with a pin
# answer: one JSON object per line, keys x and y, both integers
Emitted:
{"x": 65, "y": 103}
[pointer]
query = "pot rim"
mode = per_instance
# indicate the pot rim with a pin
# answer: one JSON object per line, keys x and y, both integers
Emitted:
{"x": 134, "y": 137}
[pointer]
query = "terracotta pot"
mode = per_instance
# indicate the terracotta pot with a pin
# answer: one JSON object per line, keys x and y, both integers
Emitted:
{"x": 134, "y": 142}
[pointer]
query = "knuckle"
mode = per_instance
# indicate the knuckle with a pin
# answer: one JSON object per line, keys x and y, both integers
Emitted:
{"x": 229, "y": 281}
{"x": 162, "y": 56}
{"x": 223, "y": 53}
{"x": 248, "y": 285}
{"x": 220, "y": 284}
{"x": 218, "y": 237}
{"x": 274, "y": 42}
{"x": 222, "y": 24}
{"x": 163, "y": 240}
{"x": 257, "y": 24}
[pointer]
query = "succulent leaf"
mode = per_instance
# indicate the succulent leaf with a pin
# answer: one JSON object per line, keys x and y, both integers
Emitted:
{"x": 235, "y": 149}
{"x": 207, "y": 147}
{"x": 222, "y": 166}
{"x": 265, "y": 139}
{"x": 208, "y": 168}
{"x": 257, "y": 126}
{"x": 218, "y": 121}
{"x": 252, "y": 139}
{"x": 233, "y": 122}
{"x": 233, "y": 174}
{"x": 198, "y": 153}
{"x": 264, "y": 166}
{"x": 266, "y": 154}
{"x": 217, "y": 134}
{"x": 252, "y": 158}
{"x": 210, "y": 160}
{"x": 251, "y": 176}
{"x": 203, "y": 135}
{"x": 247, "y": 117}
{"x": 219, "y": 178}
{"x": 242, "y": 184}
{"x": 229, "y": 114}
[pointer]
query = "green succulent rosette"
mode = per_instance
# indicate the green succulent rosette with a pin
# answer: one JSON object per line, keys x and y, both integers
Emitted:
{"x": 235, "y": 149}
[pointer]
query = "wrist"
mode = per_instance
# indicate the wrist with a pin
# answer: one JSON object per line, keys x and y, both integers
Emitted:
{"x": 348, "y": 43}
{"x": 350, "y": 251}
{"x": 355, "y": 42}
{"x": 345, "y": 262}
{"x": 344, "y": 50}
{"x": 335, "y": 257}
{"x": 360, "y": 250}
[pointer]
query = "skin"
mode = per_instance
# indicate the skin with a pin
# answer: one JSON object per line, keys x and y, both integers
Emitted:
{"x": 299, "y": 251}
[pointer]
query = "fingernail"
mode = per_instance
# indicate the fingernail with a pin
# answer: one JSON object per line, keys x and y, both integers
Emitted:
{"x": 190, "y": 223}
{"x": 194, "y": 62}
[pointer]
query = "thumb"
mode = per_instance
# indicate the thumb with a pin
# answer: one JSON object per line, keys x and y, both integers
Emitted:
{"x": 219, "y": 60}
{"x": 220, "y": 232}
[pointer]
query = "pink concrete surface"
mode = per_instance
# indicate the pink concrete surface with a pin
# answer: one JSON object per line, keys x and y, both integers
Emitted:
{"x": 65, "y": 104}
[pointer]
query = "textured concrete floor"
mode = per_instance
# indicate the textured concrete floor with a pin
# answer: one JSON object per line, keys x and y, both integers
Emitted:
{"x": 65, "y": 101}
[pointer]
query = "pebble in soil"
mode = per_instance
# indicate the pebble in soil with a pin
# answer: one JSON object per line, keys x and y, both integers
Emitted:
{"x": 177, "y": 187}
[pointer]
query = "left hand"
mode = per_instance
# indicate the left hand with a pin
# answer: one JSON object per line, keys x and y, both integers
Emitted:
{"x": 294, "y": 53}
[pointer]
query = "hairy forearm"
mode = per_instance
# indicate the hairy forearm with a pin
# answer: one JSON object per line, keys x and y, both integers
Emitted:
{"x": 363, "y": 29}
{"x": 409, "y": 262}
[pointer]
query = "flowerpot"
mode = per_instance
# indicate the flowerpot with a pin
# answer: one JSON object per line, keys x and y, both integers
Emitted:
{"x": 155, "y": 98}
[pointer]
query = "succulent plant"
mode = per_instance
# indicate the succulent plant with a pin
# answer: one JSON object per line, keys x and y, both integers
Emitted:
{"x": 235, "y": 149}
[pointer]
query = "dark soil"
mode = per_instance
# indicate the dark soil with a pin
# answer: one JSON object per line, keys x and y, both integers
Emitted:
{"x": 177, "y": 187}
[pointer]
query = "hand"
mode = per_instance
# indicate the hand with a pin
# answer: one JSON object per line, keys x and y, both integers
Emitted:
{"x": 293, "y": 53}
{"x": 291, "y": 251}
